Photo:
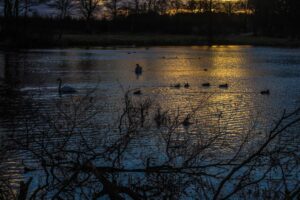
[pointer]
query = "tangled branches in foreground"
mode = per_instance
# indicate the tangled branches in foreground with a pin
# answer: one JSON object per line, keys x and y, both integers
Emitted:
{"x": 151, "y": 153}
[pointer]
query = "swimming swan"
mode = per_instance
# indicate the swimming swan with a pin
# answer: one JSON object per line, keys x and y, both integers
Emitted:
{"x": 65, "y": 89}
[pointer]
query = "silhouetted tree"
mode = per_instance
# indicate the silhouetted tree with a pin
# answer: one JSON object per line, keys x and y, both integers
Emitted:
{"x": 276, "y": 17}
{"x": 113, "y": 6}
{"x": 64, "y": 8}
{"x": 176, "y": 5}
{"x": 88, "y": 10}
{"x": 136, "y": 4}
{"x": 192, "y": 5}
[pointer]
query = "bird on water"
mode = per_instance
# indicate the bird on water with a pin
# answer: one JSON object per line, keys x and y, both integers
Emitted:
{"x": 138, "y": 69}
{"x": 224, "y": 86}
{"x": 65, "y": 89}
{"x": 265, "y": 92}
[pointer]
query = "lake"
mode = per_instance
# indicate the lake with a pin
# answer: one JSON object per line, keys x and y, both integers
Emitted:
{"x": 247, "y": 70}
{"x": 32, "y": 75}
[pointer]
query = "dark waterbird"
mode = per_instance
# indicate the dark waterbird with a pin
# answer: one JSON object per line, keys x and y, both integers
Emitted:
{"x": 65, "y": 89}
{"x": 265, "y": 92}
{"x": 186, "y": 122}
{"x": 137, "y": 92}
{"x": 186, "y": 85}
{"x": 206, "y": 85}
{"x": 224, "y": 86}
{"x": 138, "y": 69}
{"x": 177, "y": 85}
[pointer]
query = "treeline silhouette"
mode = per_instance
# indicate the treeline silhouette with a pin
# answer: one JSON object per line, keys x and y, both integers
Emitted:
{"x": 209, "y": 18}
{"x": 276, "y": 17}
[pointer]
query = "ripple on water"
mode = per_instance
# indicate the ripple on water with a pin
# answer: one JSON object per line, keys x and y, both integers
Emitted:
{"x": 247, "y": 70}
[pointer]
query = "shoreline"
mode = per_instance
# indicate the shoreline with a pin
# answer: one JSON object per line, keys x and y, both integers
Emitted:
{"x": 147, "y": 40}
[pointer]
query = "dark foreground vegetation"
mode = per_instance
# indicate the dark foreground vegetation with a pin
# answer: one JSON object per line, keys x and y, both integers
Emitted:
{"x": 148, "y": 153}
{"x": 188, "y": 22}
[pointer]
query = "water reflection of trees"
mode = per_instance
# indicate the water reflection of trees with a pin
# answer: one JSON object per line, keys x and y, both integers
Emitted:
{"x": 12, "y": 75}
{"x": 13, "y": 101}
{"x": 14, "y": 105}
{"x": 148, "y": 154}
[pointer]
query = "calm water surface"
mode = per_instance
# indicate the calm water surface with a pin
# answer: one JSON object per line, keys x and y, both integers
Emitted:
{"x": 247, "y": 70}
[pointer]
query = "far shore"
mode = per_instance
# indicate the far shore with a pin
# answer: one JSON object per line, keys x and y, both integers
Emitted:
{"x": 135, "y": 40}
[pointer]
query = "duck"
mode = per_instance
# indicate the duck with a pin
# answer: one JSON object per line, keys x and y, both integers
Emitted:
{"x": 65, "y": 89}
{"x": 137, "y": 92}
{"x": 206, "y": 85}
{"x": 225, "y": 86}
{"x": 27, "y": 169}
{"x": 186, "y": 122}
{"x": 265, "y": 92}
{"x": 177, "y": 85}
{"x": 186, "y": 85}
{"x": 138, "y": 69}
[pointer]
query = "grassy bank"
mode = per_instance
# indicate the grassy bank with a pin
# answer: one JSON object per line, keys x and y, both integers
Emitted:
{"x": 80, "y": 40}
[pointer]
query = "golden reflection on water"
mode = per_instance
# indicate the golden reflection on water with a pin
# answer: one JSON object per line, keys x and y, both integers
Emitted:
{"x": 220, "y": 61}
{"x": 228, "y": 66}
{"x": 236, "y": 103}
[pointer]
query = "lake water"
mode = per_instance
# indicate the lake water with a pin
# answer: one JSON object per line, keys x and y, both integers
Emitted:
{"x": 247, "y": 70}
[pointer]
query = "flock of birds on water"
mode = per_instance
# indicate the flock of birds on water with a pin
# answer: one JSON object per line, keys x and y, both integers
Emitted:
{"x": 138, "y": 71}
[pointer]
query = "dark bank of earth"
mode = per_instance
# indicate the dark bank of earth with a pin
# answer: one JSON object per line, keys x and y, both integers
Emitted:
{"x": 94, "y": 40}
